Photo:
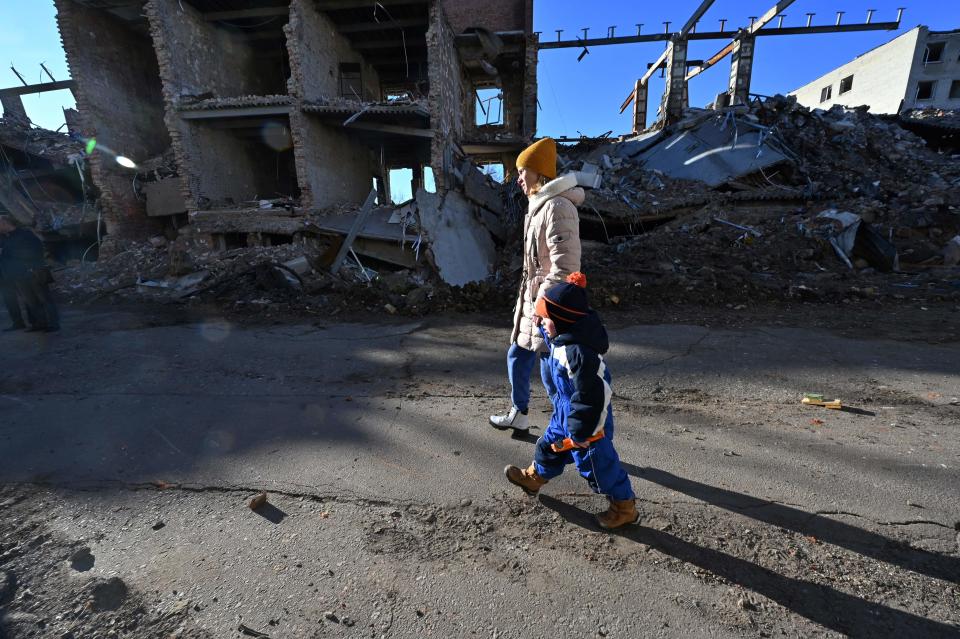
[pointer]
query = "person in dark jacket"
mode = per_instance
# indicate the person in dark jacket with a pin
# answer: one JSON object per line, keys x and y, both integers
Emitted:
{"x": 25, "y": 276}
{"x": 581, "y": 430}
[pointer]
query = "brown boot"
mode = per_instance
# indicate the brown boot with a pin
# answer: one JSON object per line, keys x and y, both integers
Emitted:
{"x": 526, "y": 478}
{"x": 620, "y": 513}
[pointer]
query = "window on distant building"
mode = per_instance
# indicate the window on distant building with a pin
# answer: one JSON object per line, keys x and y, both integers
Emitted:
{"x": 351, "y": 81}
{"x": 826, "y": 93}
{"x": 846, "y": 84}
{"x": 925, "y": 90}
{"x": 955, "y": 90}
{"x": 934, "y": 53}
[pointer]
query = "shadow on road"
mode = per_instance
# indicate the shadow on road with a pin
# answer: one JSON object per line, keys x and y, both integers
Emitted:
{"x": 829, "y": 607}
{"x": 271, "y": 513}
{"x": 834, "y": 532}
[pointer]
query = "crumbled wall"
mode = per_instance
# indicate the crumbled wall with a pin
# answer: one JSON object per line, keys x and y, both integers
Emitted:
{"x": 881, "y": 77}
{"x": 198, "y": 57}
{"x": 529, "y": 128}
{"x": 331, "y": 167}
{"x": 220, "y": 165}
{"x": 493, "y": 15}
{"x": 446, "y": 95}
{"x": 316, "y": 51}
{"x": 120, "y": 105}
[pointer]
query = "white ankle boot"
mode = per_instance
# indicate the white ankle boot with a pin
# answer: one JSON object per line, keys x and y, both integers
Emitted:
{"x": 514, "y": 419}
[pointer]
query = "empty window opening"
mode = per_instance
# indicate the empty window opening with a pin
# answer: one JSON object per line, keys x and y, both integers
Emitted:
{"x": 933, "y": 53}
{"x": 925, "y": 90}
{"x": 234, "y": 241}
{"x": 846, "y": 85}
{"x": 489, "y": 107}
{"x": 351, "y": 81}
{"x": 495, "y": 171}
{"x": 401, "y": 185}
{"x": 826, "y": 93}
{"x": 276, "y": 239}
{"x": 955, "y": 90}
{"x": 429, "y": 181}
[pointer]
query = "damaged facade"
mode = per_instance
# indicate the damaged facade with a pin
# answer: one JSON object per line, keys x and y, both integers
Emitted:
{"x": 918, "y": 69}
{"x": 259, "y": 123}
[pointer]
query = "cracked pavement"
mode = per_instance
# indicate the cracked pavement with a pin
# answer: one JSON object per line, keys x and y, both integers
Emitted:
{"x": 388, "y": 506}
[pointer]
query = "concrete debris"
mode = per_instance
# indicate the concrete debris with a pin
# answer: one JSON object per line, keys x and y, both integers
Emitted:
{"x": 716, "y": 151}
{"x": 46, "y": 184}
{"x": 462, "y": 248}
{"x": 257, "y": 501}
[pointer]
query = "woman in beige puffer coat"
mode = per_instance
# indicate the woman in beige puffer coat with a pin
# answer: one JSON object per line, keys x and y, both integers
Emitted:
{"x": 551, "y": 251}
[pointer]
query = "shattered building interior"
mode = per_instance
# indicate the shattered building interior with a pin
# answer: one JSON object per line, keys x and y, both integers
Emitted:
{"x": 246, "y": 116}
{"x": 260, "y": 123}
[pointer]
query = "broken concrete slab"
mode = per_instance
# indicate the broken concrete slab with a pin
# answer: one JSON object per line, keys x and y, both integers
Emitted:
{"x": 462, "y": 248}
{"x": 479, "y": 188}
{"x": 718, "y": 150}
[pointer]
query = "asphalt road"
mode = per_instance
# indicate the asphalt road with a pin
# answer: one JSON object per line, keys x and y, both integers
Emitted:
{"x": 391, "y": 418}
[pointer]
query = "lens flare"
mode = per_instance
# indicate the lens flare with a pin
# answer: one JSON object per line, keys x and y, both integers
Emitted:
{"x": 276, "y": 136}
{"x": 127, "y": 162}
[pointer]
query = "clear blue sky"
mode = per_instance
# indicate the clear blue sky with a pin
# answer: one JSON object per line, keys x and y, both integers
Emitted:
{"x": 29, "y": 36}
{"x": 574, "y": 96}
{"x": 586, "y": 96}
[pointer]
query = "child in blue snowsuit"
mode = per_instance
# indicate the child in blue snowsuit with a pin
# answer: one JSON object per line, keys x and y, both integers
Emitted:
{"x": 582, "y": 424}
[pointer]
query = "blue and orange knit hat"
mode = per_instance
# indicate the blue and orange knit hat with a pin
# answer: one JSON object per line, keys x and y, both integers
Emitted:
{"x": 566, "y": 303}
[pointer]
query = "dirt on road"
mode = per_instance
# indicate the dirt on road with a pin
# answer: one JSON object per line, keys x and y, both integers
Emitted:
{"x": 125, "y": 482}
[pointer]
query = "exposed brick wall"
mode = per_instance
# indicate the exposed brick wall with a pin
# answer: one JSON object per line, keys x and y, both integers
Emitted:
{"x": 119, "y": 104}
{"x": 316, "y": 51}
{"x": 199, "y": 57}
{"x": 494, "y": 15}
{"x": 331, "y": 168}
{"x": 446, "y": 95}
{"x": 529, "y": 127}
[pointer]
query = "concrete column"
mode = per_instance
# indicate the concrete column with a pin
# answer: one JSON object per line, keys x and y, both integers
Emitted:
{"x": 741, "y": 69}
{"x": 675, "y": 94}
{"x": 640, "y": 107}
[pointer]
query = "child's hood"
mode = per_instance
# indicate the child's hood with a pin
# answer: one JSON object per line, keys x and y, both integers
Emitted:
{"x": 589, "y": 331}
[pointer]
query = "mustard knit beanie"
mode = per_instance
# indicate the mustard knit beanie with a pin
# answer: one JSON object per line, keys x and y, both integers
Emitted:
{"x": 541, "y": 156}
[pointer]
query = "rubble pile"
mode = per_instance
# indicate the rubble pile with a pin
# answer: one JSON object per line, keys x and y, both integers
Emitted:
{"x": 861, "y": 208}
{"x": 18, "y": 134}
{"x": 937, "y": 117}
{"x": 292, "y": 279}
{"x": 838, "y": 206}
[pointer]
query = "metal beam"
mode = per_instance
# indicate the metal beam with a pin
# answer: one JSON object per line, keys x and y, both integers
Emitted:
{"x": 646, "y": 76}
{"x": 765, "y": 19}
{"x": 395, "y": 129}
{"x": 363, "y": 27}
{"x": 719, "y": 35}
{"x": 240, "y": 14}
{"x": 236, "y": 112}
{"x": 695, "y": 18}
{"x": 355, "y": 229}
{"x": 388, "y": 44}
{"x": 39, "y": 88}
{"x": 844, "y": 28}
{"x": 337, "y": 5}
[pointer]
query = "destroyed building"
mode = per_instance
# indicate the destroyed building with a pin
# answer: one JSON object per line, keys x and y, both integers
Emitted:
{"x": 45, "y": 183}
{"x": 254, "y": 123}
